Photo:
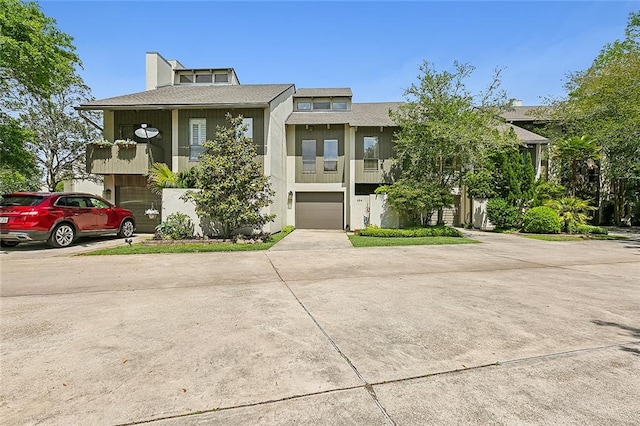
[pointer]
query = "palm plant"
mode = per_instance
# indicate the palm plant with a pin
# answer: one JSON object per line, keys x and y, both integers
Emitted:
{"x": 160, "y": 176}
{"x": 573, "y": 211}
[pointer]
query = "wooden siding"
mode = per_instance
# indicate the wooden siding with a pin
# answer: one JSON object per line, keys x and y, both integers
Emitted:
{"x": 160, "y": 119}
{"x": 319, "y": 134}
{"x": 216, "y": 117}
{"x": 116, "y": 160}
{"x": 385, "y": 152}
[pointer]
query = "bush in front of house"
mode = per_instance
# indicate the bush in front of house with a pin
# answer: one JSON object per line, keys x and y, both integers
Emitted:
{"x": 416, "y": 232}
{"x": 502, "y": 213}
{"x": 177, "y": 226}
{"x": 588, "y": 229}
{"x": 542, "y": 220}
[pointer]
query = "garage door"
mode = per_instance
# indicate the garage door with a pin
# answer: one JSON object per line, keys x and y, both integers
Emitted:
{"x": 319, "y": 210}
{"x": 138, "y": 199}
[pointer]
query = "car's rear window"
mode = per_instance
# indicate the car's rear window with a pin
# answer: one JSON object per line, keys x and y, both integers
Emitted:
{"x": 21, "y": 200}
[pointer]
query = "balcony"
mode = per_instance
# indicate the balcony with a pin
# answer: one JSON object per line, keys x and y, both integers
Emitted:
{"x": 116, "y": 160}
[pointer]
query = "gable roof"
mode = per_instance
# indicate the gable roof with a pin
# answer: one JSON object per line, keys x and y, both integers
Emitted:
{"x": 190, "y": 96}
{"x": 526, "y": 136}
{"x": 324, "y": 92}
{"x": 361, "y": 114}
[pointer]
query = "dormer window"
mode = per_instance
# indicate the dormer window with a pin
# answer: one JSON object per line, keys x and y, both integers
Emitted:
{"x": 204, "y": 78}
{"x": 304, "y": 106}
{"x": 339, "y": 106}
{"x": 186, "y": 78}
{"x": 322, "y": 105}
{"x": 221, "y": 78}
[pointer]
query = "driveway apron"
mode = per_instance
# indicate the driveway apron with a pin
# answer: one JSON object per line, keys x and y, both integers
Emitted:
{"x": 314, "y": 239}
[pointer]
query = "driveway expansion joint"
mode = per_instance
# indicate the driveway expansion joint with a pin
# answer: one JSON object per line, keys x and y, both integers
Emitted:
{"x": 367, "y": 386}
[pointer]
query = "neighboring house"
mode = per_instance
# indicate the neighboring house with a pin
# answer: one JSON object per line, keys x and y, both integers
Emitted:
{"x": 324, "y": 154}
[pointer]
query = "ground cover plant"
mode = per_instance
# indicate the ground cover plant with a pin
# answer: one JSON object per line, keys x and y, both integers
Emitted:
{"x": 362, "y": 241}
{"x": 193, "y": 247}
{"x": 374, "y": 236}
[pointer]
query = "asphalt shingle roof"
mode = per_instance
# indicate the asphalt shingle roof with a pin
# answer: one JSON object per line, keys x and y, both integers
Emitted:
{"x": 213, "y": 95}
{"x": 524, "y": 113}
{"x": 526, "y": 136}
{"x": 361, "y": 114}
{"x": 323, "y": 92}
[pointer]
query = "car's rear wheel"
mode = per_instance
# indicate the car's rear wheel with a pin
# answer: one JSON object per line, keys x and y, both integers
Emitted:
{"x": 4, "y": 243}
{"x": 62, "y": 235}
{"x": 126, "y": 229}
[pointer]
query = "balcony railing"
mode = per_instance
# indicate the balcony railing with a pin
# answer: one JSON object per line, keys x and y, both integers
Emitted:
{"x": 119, "y": 160}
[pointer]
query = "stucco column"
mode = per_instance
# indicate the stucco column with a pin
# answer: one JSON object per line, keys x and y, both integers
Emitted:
{"x": 350, "y": 156}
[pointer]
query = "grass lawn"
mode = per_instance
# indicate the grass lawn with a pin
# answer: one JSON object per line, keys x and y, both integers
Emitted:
{"x": 140, "y": 248}
{"x": 572, "y": 237}
{"x": 360, "y": 241}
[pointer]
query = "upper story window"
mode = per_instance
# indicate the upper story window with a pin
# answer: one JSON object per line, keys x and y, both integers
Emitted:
{"x": 308, "y": 156}
{"x": 371, "y": 153}
{"x": 221, "y": 78}
{"x": 197, "y": 136}
{"x": 204, "y": 78}
{"x": 330, "y": 155}
{"x": 247, "y": 122}
{"x": 304, "y": 106}
{"x": 186, "y": 78}
{"x": 339, "y": 106}
{"x": 322, "y": 105}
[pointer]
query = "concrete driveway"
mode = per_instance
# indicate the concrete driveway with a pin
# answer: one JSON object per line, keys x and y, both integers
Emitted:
{"x": 510, "y": 331}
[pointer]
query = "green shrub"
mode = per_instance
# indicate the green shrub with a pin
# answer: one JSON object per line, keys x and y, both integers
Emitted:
{"x": 542, "y": 220}
{"x": 432, "y": 231}
{"x": 177, "y": 226}
{"x": 502, "y": 214}
{"x": 588, "y": 229}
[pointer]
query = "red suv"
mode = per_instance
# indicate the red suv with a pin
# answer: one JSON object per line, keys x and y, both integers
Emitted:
{"x": 59, "y": 218}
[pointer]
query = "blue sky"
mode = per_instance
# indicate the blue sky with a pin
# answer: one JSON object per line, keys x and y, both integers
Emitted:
{"x": 374, "y": 47}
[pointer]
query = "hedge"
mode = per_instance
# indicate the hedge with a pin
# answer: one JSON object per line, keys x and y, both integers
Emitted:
{"x": 432, "y": 231}
{"x": 588, "y": 229}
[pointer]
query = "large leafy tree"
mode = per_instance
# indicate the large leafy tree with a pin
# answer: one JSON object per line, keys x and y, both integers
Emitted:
{"x": 36, "y": 59}
{"x": 603, "y": 103}
{"x": 35, "y": 56}
{"x": 445, "y": 129}
{"x": 232, "y": 190}
{"x": 60, "y": 133}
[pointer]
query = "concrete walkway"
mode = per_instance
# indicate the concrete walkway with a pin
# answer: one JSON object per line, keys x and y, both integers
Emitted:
{"x": 314, "y": 239}
{"x": 510, "y": 331}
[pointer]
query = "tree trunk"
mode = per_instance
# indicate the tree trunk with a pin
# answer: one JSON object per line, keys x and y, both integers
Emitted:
{"x": 440, "y": 220}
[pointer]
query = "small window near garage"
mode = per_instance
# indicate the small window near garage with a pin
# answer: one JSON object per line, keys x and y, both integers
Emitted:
{"x": 197, "y": 136}
{"x": 339, "y": 106}
{"x": 186, "y": 78}
{"x": 304, "y": 106}
{"x": 371, "y": 153}
{"x": 308, "y": 156}
{"x": 204, "y": 78}
{"x": 331, "y": 155}
{"x": 221, "y": 78}
{"x": 322, "y": 105}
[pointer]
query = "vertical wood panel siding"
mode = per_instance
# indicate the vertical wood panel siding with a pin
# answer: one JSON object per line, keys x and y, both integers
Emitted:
{"x": 319, "y": 134}
{"x": 160, "y": 119}
{"x": 216, "y": 117}
{"x": 385, "y": 152}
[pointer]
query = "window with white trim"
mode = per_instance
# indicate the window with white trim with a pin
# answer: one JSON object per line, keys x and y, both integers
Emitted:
{"x": 304, "y": 106}
{"x": 371, "y": 153}
{"x": 309, "y": 156}
{"x": 197, "y": 136}
{"x": 339, "y": 106}
{"x": 330, "y": 155}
